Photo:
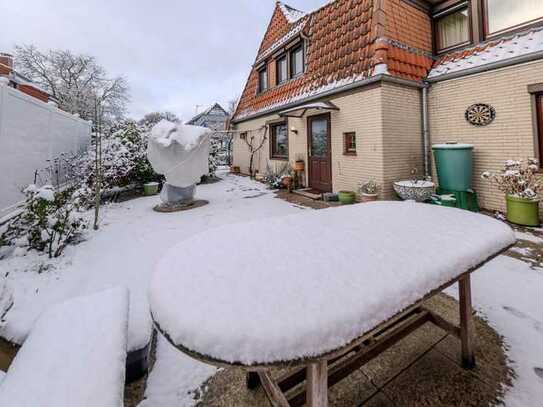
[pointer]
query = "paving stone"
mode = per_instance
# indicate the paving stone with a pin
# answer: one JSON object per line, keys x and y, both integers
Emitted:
{"x": 491, "y": 362}
{"x": 436, "y": 381}
{"x": 394, "y": 360}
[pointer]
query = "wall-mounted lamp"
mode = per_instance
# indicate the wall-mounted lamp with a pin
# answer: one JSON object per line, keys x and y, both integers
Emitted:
{"x": 294, "y": 130}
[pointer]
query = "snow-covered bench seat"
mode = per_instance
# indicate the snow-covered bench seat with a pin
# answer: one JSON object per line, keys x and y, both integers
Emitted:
{"x": 74, "y": 356}
{"x": 305, "y": 289}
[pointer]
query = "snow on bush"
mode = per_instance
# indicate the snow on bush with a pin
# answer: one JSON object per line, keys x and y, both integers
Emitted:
{"x": 518, "y": 178}
{"x": 49, "y": 221}
{"x": 122, "y": 156}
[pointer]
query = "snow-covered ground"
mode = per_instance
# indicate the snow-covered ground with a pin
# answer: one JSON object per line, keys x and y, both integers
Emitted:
{"x": 133, "y": 238}
{"x": 124, "y": 251}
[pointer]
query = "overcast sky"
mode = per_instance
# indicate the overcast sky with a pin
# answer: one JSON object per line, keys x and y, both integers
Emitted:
{"x": 176, "y": 54}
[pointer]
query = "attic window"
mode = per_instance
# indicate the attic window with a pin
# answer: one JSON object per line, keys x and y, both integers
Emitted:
{"x": 453, "y": 28}
{"x": 282, "y": 71}
{"x": 297, "y": 61}
{"x": 262, "y": 80}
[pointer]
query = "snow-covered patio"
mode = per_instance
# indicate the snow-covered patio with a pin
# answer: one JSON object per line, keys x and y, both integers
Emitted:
{"x": 133, "y": 238}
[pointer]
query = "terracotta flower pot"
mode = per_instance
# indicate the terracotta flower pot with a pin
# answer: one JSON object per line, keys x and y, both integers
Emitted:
{"x": 286, "y": 181}
{"x": 235, "y": 169}
{"x": 368, "y": 197}
{"x": 299, "y": 165}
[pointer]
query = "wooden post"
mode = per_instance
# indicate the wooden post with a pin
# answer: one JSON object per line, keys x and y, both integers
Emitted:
{"x": 466, "y": 322}
{"x": 274, "y": 393}
{"x": 253, "y": 380}
{"x": 317, "y": 384}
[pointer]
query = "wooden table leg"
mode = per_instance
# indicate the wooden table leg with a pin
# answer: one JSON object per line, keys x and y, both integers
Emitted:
{"x": 253, "y": 380}
{"x": 317, "y": 384}
{"x": 274, "y": 393}
{"x": 466, "y": 322}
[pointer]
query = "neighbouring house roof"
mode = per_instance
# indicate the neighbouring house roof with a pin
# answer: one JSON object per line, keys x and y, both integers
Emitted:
{"x": 347, "y": 41}
{"x": 490, "y": 53}
{"x": 216, "y": 107}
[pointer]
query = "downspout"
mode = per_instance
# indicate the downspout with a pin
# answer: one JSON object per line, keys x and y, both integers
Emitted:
{"x": 426, "y": 131}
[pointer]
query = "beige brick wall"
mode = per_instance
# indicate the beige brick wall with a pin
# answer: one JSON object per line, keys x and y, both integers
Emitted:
{"x": 359, "y": 112}
{"x": 402, "y": 135}
{"x": 387, "y": 124}
{"x": 510, "y": 136}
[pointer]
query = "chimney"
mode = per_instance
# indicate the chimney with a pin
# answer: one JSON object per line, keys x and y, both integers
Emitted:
{"x": 6, "y": 63}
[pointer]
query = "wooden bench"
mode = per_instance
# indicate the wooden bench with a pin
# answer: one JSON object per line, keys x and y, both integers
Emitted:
{"x": 75, "y": 355}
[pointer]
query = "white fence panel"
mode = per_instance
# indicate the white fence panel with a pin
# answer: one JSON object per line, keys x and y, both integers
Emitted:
{"x": 32, "y": 132}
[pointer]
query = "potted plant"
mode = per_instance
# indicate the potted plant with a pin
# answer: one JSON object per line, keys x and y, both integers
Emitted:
{"x": 347, "y": 197}
{"x": 369, "y": 191}
{"x": 287, "y": 181}
{"x": 521, "y": 185}
{"x": 234, "y": 169}
{"x": 150, "y": 188}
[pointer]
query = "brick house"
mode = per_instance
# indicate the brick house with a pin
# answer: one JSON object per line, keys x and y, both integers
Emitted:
{"x": 360, "y": 89}
{"x": 18, "y": 81}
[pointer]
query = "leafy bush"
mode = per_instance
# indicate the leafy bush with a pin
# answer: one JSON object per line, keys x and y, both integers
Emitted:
{"x": 49, "y": 221}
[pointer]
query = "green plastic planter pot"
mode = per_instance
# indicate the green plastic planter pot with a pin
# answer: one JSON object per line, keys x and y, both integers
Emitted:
{"x": 151, "y": 188}
{"x": 347, "y": 197}
{"x": 454, "y": 164}
{"x": 522, "y": 211}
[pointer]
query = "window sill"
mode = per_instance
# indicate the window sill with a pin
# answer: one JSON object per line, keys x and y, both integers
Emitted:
{"x": 348, "y": 154}
{"x": 278, "y": 158}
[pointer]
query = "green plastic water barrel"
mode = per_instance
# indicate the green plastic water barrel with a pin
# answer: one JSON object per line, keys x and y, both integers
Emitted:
{"x": 454, "y": 164}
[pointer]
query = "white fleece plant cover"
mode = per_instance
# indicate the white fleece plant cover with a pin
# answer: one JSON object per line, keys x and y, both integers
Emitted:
{"x": 74, "y": 356}
{"x": 301, "y": 285}
{"x": 179, "y": 152}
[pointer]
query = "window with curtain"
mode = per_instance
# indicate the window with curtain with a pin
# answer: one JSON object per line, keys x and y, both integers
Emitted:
{"x": 453, "y": 29}
{"x": 279, "y": 141}
{"x": 504, "y": 14}
{"x": 262, "y": 80}
{"x": 297, "y": 61}
{"x": 282, "y": 72}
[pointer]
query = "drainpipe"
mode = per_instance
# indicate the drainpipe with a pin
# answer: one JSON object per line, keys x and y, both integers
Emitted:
{"x": 426, "y": 131}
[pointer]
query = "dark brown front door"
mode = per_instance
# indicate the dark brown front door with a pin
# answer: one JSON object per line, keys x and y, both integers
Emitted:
{"x": 320, "y": 160}
{"x": 539, "y": 103}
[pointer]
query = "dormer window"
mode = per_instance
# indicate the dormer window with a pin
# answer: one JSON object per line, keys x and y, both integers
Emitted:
{"x": 452, "y": 28}
{"x": 502, "y": 15}
{"x": 262, "y": 80}
{"x": 297, "y": 61}
{"x": 282, "y": 69}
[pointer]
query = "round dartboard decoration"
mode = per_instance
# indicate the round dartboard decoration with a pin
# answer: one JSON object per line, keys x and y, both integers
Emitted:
{"x": 480, "y": 114}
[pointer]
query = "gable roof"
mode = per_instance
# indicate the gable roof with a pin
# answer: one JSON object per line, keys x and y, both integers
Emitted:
{"x": 216, "y": 106}
{"x": 347, "y": 41}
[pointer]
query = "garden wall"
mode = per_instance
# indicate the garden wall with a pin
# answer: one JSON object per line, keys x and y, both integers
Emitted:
{"x": 32, "y": 132}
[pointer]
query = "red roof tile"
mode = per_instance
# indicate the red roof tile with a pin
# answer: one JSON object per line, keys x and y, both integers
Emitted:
{"x": 346, "y": 40}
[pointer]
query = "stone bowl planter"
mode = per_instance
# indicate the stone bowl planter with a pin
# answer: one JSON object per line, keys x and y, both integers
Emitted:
{"x": 419, "y": 191}
{"x": 347, "y": 197}
{"x": 151, "y": 188}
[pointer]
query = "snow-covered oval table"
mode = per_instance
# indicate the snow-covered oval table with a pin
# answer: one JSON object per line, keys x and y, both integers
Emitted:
{"x": 305, "y": 289}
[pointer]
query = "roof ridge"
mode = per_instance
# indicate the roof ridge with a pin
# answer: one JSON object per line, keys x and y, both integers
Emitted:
{"x": 291, "y": 14}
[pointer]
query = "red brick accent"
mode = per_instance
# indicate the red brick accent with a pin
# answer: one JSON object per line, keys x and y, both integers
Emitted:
{"x": 34, "y": 92}
{"x": 6, "y": 64}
